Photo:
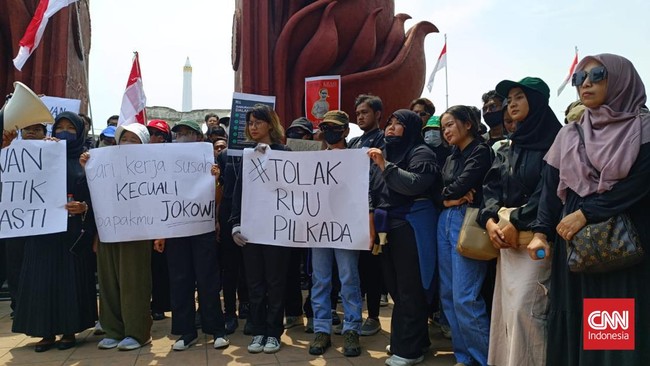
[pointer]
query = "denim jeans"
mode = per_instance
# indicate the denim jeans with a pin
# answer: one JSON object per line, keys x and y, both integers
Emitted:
{"x": 348, "y": 266}
{"x": 461, "y": 280}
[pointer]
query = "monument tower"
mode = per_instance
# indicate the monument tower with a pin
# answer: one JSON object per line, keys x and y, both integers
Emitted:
{"x": 187, "y": 86}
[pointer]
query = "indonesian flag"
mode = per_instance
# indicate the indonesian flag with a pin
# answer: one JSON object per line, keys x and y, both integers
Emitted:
{"x": 568, "y": 77}
{"x": 134, "y": 101}
{"x": 442, "y": 62}
{"x": 36, "y": 28}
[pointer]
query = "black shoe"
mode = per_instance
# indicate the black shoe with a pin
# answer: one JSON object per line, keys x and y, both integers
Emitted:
{"x": 320, "y": 344}
{"x": 66, "y": 342}
{"x": 248, "y": 328}
{"x": 244, "y": 310}
{"x": 158, "y": 316}
{"x": 44, "y": 344}
{"x": 351, "y": 346}
{"x": 231, "y": 324}
{"x": 336, "y": 320}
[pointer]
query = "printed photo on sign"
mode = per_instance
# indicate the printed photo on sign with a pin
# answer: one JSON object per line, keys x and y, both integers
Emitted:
{"x": 32, "y": 188}
{"x": 322, "y": 94}
{"x": 315, "y": 199}
{"x": 155, "y": 191}
{"x": 242, "y": 103}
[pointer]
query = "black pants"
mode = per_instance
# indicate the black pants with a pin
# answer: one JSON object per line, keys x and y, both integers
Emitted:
{"x": 266, "y": 275}
{"x": 160, "y": 299}
{"x": 232, "y": 264}
{"x": 15, "y": 249}
{"x": 401, "y": 268}
{"x": 293, "y": 292}
{"x": 193, "y": 263}
{"x": 370, "y": 269}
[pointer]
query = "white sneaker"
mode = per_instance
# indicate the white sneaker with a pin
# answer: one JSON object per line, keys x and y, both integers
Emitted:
{"x": 107, "y": 343}
{"x": 396, "y": 360}
{"x": 257, "y": 344}
{"x": 128, "y": 344}
{"x": 272, "y": 345}
{"x": 185, "y": 342}
{"x": 221, "y": 342}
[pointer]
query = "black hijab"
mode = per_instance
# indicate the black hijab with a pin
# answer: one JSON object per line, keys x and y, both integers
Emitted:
{"x": 76, "y": 147}
{"x": 397, "y": 153}
{"x": 537, "y": 131}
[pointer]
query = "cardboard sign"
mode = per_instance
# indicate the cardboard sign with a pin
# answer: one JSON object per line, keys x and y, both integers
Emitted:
{"x": 33, "y": 188}
{"x": 322, "y": 94}
{"x": 310, "y": 199}
{"x": 242, "y": 103}
{"x": 152, "y": 191}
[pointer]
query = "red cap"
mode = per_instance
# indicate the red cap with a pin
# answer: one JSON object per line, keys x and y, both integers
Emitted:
{"x": 159, "y": 124}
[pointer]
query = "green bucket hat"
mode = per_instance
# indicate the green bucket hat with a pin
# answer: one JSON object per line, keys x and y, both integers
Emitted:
{"x": 190, "y": 124}
{"x": 529, "y": 83}
{"x": 433, "y": 122}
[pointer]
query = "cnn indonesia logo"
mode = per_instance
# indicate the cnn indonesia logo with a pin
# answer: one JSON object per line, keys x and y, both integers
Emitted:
{"x": 608, "y": 324}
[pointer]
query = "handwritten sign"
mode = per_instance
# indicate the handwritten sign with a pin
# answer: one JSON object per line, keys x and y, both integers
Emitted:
{"x": 32, "y": 188}
{"x": 315, "y": 199}
{"x": 154, "y": 191}
{"x": 241, "y": 104}
{"x": 304, "y": 145}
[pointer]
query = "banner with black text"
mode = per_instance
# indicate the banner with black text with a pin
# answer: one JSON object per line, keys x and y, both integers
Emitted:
{"x": 152, "y": 191}
{"x": 315, "y": 199}
{"x": 32, "y": 188}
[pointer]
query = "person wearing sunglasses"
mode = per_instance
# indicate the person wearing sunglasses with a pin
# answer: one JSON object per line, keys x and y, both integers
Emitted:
{"x": 301, "y": 129}
{"x": 424, "y": 108}
{"x": 519, "y": 306}
{"x": 159, "y": 131}
{"x": 616, "y": 130}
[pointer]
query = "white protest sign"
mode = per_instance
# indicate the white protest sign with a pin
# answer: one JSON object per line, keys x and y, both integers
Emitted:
{"x": 58, "y": 105}
{"x": 315, "y": 199}
{"x": 152, "y": 191}
{"x": 33, "y": 188}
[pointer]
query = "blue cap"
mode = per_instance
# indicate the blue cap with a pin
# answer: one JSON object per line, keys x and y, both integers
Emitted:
{"x": 109, "y": 132}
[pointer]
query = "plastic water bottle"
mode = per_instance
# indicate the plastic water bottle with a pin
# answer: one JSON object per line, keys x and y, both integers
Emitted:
{"x": 540, "y": 253}
{"x": 70, "y": 199}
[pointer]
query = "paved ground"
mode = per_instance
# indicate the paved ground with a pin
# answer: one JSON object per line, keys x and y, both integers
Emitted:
{"x": 16, "y": 349}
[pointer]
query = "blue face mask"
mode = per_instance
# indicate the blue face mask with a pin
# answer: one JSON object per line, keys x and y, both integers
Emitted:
{"x": 432, "y": 138}
{"x": 66, "y": 135}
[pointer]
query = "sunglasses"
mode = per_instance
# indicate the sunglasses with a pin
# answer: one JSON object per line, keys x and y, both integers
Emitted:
{"x": 424, "y": 114}
{"x": 330, "y": 127}
{"x": 595, "y": 75}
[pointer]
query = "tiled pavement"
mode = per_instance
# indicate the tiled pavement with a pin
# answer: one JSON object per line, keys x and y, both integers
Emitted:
{"x": 16, "y": 349}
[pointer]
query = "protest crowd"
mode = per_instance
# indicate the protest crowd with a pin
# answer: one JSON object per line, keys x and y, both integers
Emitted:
{"x": 477, "y": 230}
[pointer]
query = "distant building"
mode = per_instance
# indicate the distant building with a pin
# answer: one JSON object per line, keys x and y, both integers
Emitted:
{"x": 187, "y": 86}
{"x": 172, "y": 116}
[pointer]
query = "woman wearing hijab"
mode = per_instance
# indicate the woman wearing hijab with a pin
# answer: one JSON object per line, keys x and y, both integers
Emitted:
{"x": 56, "y": 292}
{"x": 616, "y": 129}
{"x": 518, "y": 323}
{"x": 402, "y": 181}
{"x": 461, "y": 278}
{"x": 123, "y": 271}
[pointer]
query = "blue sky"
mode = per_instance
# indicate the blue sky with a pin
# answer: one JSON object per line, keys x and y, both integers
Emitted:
{"x": 487, "y": 41}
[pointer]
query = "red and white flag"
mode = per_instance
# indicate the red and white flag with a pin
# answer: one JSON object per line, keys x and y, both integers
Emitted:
{"x": 134, "y": 101}
{"x": 571, "y": 71}
{"x": 440, "y": 64}
{"x": 36, "y": 28}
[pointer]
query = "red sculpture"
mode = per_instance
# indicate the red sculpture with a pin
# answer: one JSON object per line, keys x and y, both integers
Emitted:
{"x": 56, "y": 67}
{"x": 277, "y": 43}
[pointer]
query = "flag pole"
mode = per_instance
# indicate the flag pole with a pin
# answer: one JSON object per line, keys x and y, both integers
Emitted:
{"x": 446, "y": 82}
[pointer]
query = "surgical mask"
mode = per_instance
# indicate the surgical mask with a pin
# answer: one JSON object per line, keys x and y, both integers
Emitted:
{"x": 186, "y": 138}
{"x": 432, "y": 138}
{"x": 392, "y": 140}
{"x": 66, "y": 135}
{"x": 493, "y": 119}
{"x": 333, "y": 136}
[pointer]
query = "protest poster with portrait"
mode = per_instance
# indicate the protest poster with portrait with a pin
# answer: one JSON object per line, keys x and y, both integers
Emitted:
{"x": 152, "y": 191}
{"x": 313, "y": 199}
{"x": 322, "y": 94}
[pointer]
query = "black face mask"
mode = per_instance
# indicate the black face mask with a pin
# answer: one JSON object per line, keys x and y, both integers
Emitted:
{"x": 332, "y": 136}
{"x": 392, "y": 140}
{"x": 493, "y": 119}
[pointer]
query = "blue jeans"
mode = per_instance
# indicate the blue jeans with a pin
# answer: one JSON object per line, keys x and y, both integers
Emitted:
{"x": 347, "y": 261}
{"x": 461, "y": 280}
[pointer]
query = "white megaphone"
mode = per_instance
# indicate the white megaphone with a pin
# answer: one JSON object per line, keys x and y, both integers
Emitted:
{"x": 23, "y": 109}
